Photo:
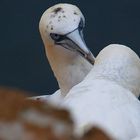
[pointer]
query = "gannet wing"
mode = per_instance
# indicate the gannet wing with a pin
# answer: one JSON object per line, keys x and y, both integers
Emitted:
{"x": 106, "y": 105}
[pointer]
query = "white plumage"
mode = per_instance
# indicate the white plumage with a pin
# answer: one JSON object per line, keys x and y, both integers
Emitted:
{"x": 105, "y": 98}
{"x": 61, "y": 27}
{"x": 70, "y": 68}
{"x": 55, "y": 99}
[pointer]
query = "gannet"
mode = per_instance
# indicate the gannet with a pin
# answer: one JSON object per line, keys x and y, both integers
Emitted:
{"x": 106, "y": 97}
{"x": 61, "y": 28}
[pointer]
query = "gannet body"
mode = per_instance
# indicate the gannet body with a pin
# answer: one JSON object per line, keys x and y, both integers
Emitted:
{"x": 61, "y": 29}
{"x": 106, "y": 97}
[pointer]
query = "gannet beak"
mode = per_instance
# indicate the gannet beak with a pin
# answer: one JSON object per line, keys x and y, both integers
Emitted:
{"x": 74, "y": 41}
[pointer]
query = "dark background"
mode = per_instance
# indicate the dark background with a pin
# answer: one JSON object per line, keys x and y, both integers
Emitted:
{"x": 23, "y": 63}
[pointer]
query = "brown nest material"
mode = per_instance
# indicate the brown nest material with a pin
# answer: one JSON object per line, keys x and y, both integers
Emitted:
{"x": 24, "y": 119}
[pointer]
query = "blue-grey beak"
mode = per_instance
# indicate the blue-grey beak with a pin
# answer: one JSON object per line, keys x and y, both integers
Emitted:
{"x": 74, "y": 41}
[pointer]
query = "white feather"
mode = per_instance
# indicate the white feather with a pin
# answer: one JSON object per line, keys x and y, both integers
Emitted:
{"x": 104, "y": 99}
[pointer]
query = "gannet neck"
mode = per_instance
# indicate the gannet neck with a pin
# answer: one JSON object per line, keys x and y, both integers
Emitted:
{"x": 120, "y": 64}
{"x": 68, "y": 67}
{"x": 61, "y": 28}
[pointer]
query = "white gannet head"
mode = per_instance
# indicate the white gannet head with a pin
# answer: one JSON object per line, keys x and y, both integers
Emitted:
{"x": 62, "y": 26}
{"x": 119, "y": 64}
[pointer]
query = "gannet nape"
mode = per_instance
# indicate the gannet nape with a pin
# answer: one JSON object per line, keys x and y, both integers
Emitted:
{"x": 106, "y": 97}
{"x": 120, "y": 64}
{"x": 61, "y": 28}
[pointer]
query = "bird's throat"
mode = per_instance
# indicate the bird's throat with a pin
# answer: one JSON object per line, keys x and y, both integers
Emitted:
{"x": 69, "y": 68}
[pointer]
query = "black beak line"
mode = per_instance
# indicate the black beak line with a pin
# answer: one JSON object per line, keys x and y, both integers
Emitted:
{"x": 71, "y": 45}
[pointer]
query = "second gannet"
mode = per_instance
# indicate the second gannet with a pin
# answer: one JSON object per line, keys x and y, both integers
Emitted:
{"x": 107, "y": 96}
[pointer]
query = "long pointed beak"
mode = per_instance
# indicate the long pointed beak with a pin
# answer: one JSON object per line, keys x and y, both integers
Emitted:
{"x": 75, "y": 42}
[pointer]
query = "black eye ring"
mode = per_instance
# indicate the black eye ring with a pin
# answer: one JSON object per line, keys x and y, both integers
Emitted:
{"x": 56, "y": 37}
{"x": 81, "y": 25}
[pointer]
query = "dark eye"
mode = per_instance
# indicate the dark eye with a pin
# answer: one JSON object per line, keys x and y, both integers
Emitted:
{"x": 81, "y": 25}
{"x": 56, "y": 37}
